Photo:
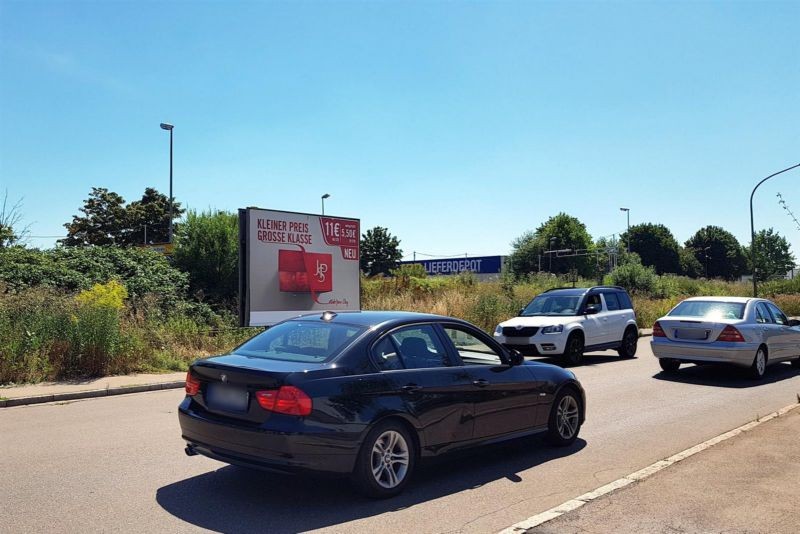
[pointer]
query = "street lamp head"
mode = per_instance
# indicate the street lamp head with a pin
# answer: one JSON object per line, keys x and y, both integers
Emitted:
{"x": 326, "y": 195}
{"x": 166, "y": 126}
{"x": 624, "y": 209}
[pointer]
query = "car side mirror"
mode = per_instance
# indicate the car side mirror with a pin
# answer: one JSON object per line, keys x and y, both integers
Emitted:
{"x": 794, "y": 322}
{"x": 591, "y": 310}
{"x": 521, "y": 311}
{"x": 515, "y": 357}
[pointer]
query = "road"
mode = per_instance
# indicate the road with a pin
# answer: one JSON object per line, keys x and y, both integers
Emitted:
{"x": 117, "y": 463}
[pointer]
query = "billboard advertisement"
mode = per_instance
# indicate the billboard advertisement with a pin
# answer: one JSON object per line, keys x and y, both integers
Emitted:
{"x": 294, "y": 263}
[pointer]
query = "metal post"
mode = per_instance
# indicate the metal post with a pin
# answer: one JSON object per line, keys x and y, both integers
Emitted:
{"x": 752, "y": 226}
{"x": 169, "y": 127}
{"x": 628, "y": 214}
{"x": 326, "y": 195}
{"x": 170, "y": 186}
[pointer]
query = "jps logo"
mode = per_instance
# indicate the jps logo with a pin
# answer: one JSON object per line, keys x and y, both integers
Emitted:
{"x": 322, "y": 269}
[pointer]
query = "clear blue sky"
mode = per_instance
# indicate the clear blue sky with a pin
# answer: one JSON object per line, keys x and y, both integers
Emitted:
{"x": 457, "y": 125}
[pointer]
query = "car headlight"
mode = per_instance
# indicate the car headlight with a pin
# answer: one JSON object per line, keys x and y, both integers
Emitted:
{"x": 554, "y": 329}
{"x": 498, "y": 330}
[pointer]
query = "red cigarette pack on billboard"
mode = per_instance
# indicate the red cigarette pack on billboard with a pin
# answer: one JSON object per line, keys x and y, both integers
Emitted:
{"x": 304, "y": 272}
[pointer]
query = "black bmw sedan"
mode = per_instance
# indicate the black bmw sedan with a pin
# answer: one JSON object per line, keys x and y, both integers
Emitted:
{"x": 367, "y": 394}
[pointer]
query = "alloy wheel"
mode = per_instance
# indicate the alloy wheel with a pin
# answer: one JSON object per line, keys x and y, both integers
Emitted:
{"x": 761, "y": 362}
{"x": 567, "y": 417}
{"x": 389, "y": 459}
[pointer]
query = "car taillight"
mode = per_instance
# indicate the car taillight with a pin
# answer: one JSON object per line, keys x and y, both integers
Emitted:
{"x": 730, "y": 333}
{"x": 658, "y": 331}
{"x": 192, "y": 385}
{"x": 288, "y": 400}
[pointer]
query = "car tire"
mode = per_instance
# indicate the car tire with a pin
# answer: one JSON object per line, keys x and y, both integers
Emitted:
{"x": 627, "y": 347}
{"x": 759, "y": 367}
{"x": 573, "y": 350}
{"x": 796, "y": 363}
{"x": 668, "y": 365}
{"x": 385, "y": 462}
{"x": 564, "y": 422}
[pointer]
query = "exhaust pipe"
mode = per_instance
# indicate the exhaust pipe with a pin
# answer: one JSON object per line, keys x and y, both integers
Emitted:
{"x": 189, "y": 450}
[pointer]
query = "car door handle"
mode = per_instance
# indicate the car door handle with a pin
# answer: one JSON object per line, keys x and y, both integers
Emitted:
{"x": 481, "y": 383}
{"x": 411, "y": 388}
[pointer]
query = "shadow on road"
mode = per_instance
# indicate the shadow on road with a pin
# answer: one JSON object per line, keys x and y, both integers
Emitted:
{"x": 727, "y": 376}
{"x": 589, "y": 359}
{"x": 234, "y": 499}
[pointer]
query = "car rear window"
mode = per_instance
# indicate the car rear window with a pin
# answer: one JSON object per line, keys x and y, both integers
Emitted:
{"x": 300, "y": 341}
{"x": 708, "y": 309}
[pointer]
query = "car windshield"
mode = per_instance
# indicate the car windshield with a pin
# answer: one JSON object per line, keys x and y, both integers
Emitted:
{"x": 553, "y": 305}
{"x": 708, "y": 309}
{"x": 300, "y": 341}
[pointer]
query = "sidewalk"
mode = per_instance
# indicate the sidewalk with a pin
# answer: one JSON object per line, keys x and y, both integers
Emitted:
{"x": 749, "y": 483}
{"x": 88, "y": 388}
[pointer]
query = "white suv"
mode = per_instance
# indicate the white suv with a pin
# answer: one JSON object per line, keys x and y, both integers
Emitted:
{"x": 568, "y": 321}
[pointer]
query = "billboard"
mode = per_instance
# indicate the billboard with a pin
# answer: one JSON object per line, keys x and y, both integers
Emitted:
{"x": 294, "y": 263}
{"x": 475, "y": 264}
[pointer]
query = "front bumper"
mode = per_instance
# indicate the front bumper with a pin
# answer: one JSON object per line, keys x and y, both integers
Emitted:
{"x": 741, "y": 354}
{"x": 539, "y": 344}
{"x": 257, "y": 447}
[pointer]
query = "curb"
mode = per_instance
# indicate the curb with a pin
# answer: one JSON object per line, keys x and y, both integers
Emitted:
{"x": 577, "y": 502}
{"x": 89, "y": 394}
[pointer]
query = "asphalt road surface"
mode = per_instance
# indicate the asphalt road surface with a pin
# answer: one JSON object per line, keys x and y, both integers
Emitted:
{"x": 117, "y": 463}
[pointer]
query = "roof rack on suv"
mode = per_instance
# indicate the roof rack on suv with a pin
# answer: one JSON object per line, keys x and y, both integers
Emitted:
{"x": 586, "y": 288}
{"x": 557, "y": 288}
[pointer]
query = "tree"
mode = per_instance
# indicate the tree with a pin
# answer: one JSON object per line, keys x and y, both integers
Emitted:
{"x": 108, "y": 221}
{"x": 655, "y": 245}
{"x": 773, "y": 255}
{"x": 718, "y": 251}
{"x": 207, "y": 247}
{"x": 559, "y": 232}
{"x": 10, "y": 218}
{"x": 689, "y": 265}
{"x": 380, "y": 251}
{"x": 150, "y": 216}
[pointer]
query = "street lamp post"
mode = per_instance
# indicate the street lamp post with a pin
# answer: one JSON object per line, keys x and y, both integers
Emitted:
{"x": 752, "y": 226}
{"x": 628, "y": 213}
{"x": 550, "y": 253}
{"x": 326, "y": 195}
{"x": 169, "y": 127}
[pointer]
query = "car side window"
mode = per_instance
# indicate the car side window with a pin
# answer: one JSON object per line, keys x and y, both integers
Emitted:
{"x": 472, "y": 350}
{"x": 612, "y": 303}
{"x": 594, "y": 300}
{"x": 420, "y": 347}
{"x": 385, "y": 355}
{"x": 780, "y": 318}
{"x": 762, "y": 314}
{"x": 624, "y": 301}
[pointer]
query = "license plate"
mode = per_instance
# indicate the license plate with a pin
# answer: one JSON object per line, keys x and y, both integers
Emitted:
{"x": 691, "y": 333}
{"x": 228, "y": 398}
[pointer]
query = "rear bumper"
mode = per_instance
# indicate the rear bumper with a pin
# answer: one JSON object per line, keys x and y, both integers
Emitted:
{"x": 260, "y": 448}
{"x": 740, "y": 354}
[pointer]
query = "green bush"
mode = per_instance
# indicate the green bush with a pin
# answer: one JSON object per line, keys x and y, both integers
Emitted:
{"x": 635, "y": 277}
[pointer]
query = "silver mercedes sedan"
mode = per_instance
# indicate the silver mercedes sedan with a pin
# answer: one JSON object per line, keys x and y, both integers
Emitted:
{"x": 747, "y": 332}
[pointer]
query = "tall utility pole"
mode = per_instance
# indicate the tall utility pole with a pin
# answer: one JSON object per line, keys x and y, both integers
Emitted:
{"x": 167, "y": 126}
{"x": 752, "y": 225}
